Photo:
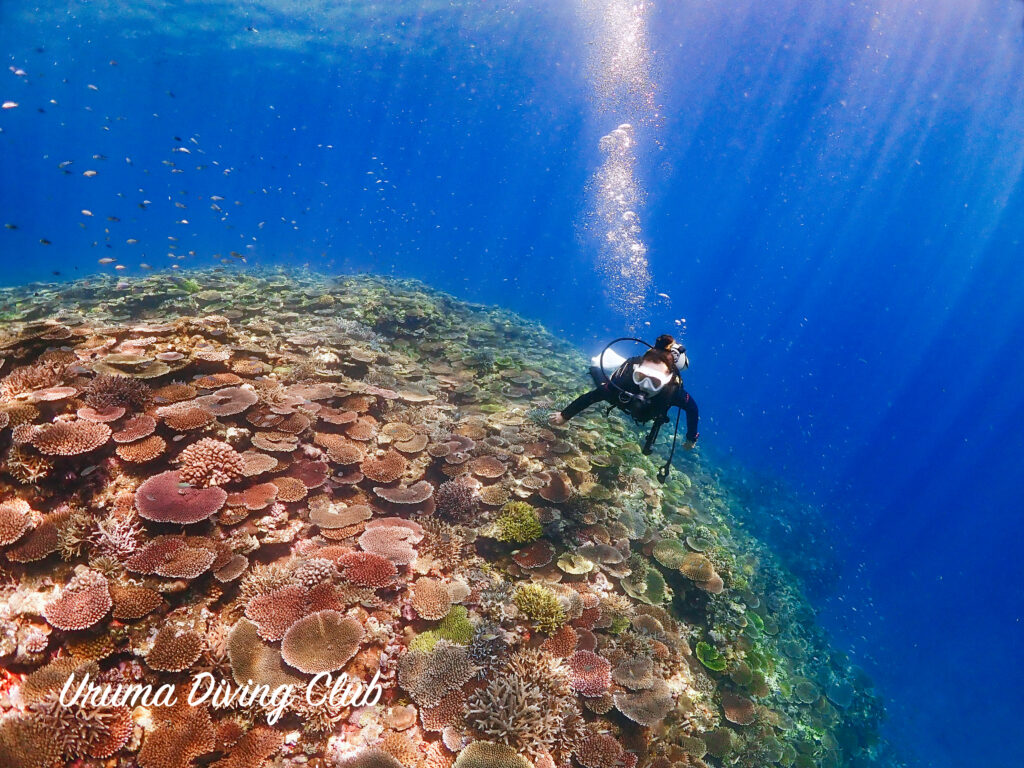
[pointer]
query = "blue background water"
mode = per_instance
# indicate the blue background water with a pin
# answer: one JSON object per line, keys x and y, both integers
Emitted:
{"x": 833, "y": 204}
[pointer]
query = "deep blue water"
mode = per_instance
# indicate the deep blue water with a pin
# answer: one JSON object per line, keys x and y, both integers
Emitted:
{"x": 833, "y": 202}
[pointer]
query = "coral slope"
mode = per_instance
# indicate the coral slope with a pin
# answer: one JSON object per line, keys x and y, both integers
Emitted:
{"x": 267, "y": 476}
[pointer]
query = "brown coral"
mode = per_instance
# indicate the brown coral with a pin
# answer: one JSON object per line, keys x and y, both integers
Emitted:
{"x": 182, "y": 733}
{"x": 83, "y": 602}
{"x": 42, "y": 540}
{"x": 645, "y": 707}
{"x": 274, "y": 612}
{"x": 137, "y": 427}
{"x": 70, "y": 438}
{"x": 165, "y": 498}
{"x": 696, "y": 567}
{"x": 590, "y": 674}
{"x": 429, "y": 676}
{"x": 133, "y": 602}
{"x": 430, "y": 599}
{"x": 174, "y": 650}
{"x": 385, "y": 469}
{"x": 738, "y": 709}
{"x": 321, "y": 642}
{"x": 253, "y": 749}
{"x": 185, "y": 418}
{"x": 252, "y": 659}
{"x": 15, "y": 520}
{"x": 289, "y": 489}
{"x": 367, "y": 569}
{"x": 141, "y": 451}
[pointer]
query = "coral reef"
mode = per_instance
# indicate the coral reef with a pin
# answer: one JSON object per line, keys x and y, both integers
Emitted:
{"x": 266, "y": 476}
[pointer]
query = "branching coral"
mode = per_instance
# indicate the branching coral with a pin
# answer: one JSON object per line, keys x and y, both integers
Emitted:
{"x": 541, "y": 606}
{"x": 105, "y": 391}
{"x": 518, "y": 522}
{"x": 210, "y": 462}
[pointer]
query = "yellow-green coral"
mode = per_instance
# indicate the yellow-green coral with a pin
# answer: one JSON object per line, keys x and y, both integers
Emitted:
{"x": 456, "y": 627}
{"x": 424, "y": 641}
{"x": 539, "y": 604}
{"x": 518, "y": 522}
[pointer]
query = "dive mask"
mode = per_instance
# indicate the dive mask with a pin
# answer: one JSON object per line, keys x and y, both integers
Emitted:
{"x": 650, "y": 378}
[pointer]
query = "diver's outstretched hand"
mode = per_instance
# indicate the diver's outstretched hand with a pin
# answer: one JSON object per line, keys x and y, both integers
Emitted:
{"x": 556, "y": 419}
{"x": 690, "y": 445}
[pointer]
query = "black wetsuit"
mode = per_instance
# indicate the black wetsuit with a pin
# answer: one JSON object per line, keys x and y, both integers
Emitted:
{"x": 624, "y": 377}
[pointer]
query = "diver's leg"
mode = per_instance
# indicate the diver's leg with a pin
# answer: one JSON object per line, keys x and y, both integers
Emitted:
{"x": 652, "y": 436}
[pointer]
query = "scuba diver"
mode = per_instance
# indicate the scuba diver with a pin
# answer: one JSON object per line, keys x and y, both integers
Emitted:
{"x": 645, "y": 387}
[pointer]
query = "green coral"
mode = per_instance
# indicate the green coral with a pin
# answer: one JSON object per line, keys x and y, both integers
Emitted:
{"x": 424, "y": 641}
{"x": 456, "y": 627}
{"x": 541, "y": 606}
{"x": 518, "y": 522}
{"x": 710, "y": 657}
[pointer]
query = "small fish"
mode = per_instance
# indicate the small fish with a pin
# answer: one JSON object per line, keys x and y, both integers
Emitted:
{"x": 9, "y": 105}
{"x": 663, "y": 295}
{"x": 65, "y": 164}
{"x": 112, "y": 218}
{"x": 44, "y": 241}
{"x": 131, "y": 241}
{"x": 168, "y": 162}
{"x": 216, "y": 197}
{"x": 89, "y": 174}
{"x": 99, "y": 157}
{"x": 11, "y": 226}
{"x": 184, "y": 149}
{"x": 119, "y": 266}
{"x": 144, "y": 265}
{"x": 107, "y": 260}
{"x": 92, "y": 87}
{"x": 18, "y": 72}
{"x": 86, "y": 212}
{"x": 183, "y": 221}
{"x": 180, "y": 205}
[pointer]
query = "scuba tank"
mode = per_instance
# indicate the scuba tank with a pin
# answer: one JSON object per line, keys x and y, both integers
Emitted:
{"x": 614, "y": 372}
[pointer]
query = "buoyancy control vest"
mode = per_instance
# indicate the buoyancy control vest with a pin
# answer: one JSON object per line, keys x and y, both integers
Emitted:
{"x": 629, "y": 398}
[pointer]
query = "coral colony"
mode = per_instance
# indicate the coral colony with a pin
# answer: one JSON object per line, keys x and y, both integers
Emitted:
{"x": 283, "y": 519}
